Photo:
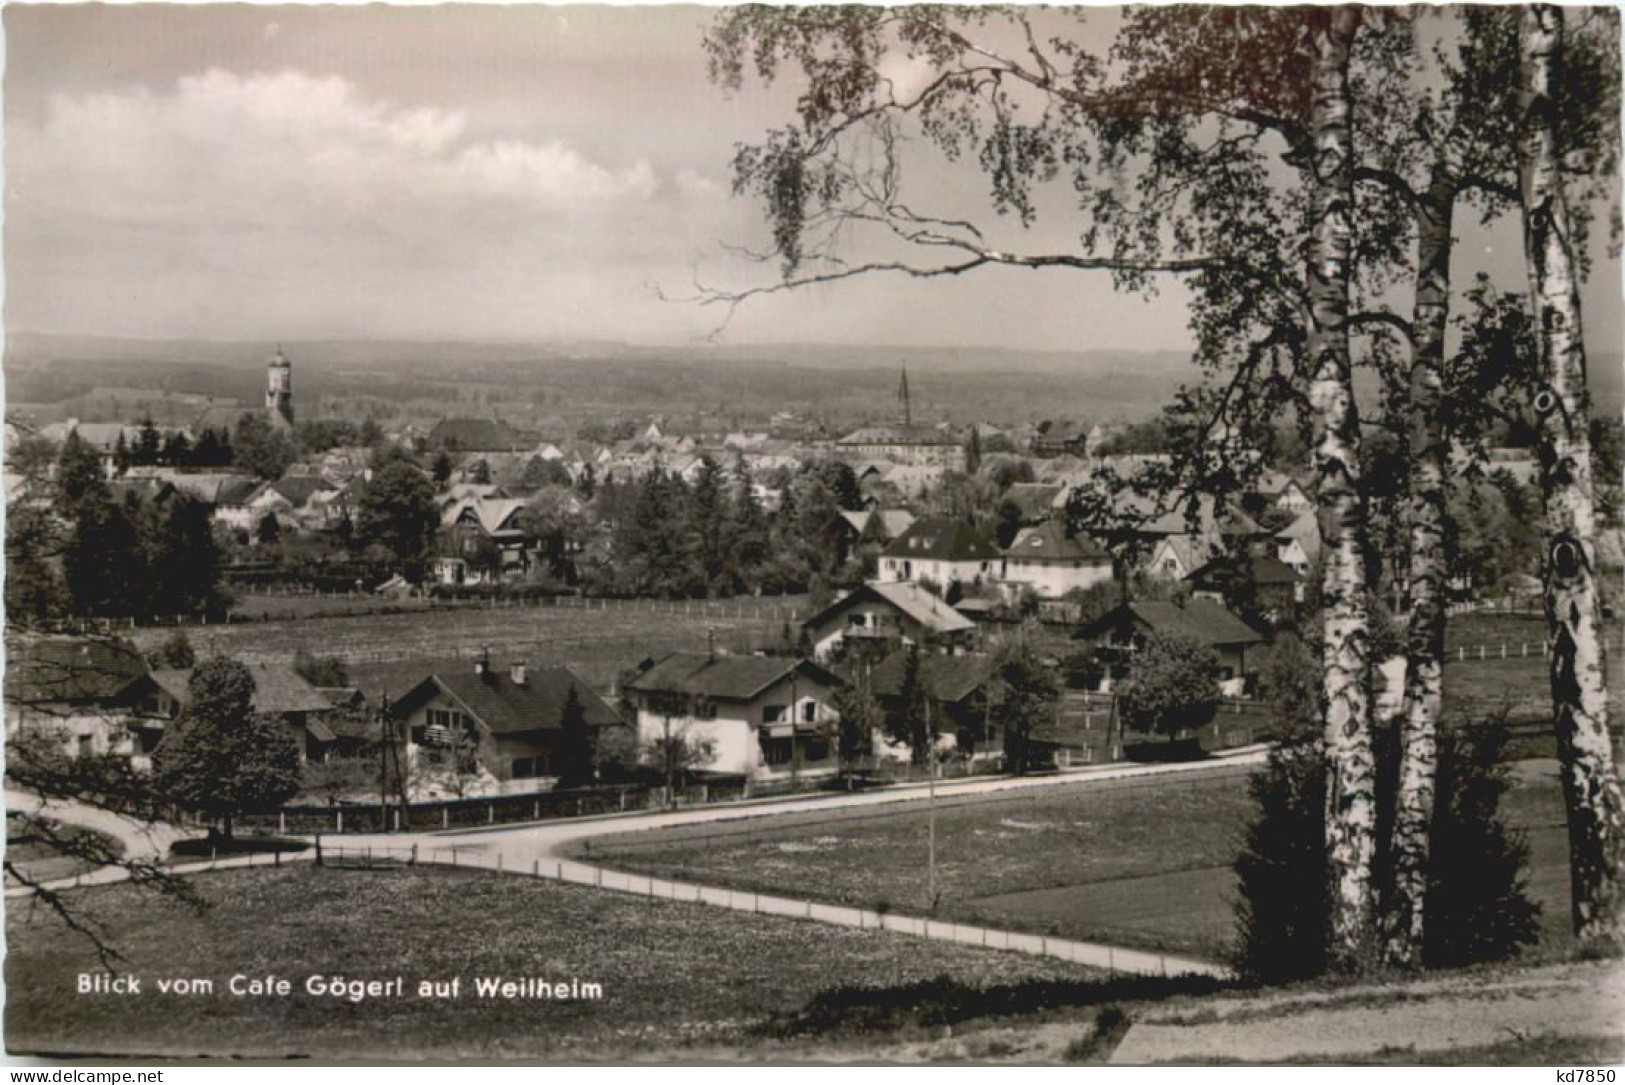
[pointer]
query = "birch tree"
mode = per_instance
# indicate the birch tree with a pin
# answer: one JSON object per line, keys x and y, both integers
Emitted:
{"x": 1596, "y": 820}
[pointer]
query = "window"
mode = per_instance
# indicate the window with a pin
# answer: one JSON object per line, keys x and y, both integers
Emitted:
{"x": 809, "y": 711}
{"x": 773, "y": 713}
{"x": 777, "y": 751}
{"x": 857, "y": 621}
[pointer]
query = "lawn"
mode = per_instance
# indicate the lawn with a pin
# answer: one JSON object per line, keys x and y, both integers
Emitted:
{"x": 598, "y": 642}
{"x": 678, "y": 980}
{"x": 1147, "y": 866}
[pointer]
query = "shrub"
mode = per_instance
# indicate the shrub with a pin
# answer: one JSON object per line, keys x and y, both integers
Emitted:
{"x": 1478, "y": 909}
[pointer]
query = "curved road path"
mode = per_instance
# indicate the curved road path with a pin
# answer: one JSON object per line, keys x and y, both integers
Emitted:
{"x": 538, "y": 849}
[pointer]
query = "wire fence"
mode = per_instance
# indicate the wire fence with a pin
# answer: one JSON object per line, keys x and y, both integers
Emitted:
{"x": 565, "y": 871}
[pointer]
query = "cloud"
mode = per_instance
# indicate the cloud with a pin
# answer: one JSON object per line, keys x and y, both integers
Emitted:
{"x": 225, "y": 149}
{"x": 230, "y": 196}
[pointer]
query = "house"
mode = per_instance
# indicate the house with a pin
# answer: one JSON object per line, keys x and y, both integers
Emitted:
{"x": 476, "y": 521}
{"x": 767, "y": 716}
{"x": 871, "y": 525}
{"x": 961, "y": 690}
{"x": 1051, "y": 561}
{"x": 279, "y": 691}
{"x": 1259, "y": 584}
{"x": 88, "y": 694}
{"x": 1298, "y": 544}
{"x": 943, "y": 551}
{"x": 881, "y": 615}
{"x": 1064, "y": 438}
{"x": 1121, "y": 632}
{"x": 1278, "y": 490}
{"x": 507, "y": 720}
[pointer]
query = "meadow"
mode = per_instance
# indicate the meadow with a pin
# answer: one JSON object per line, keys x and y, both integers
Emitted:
{"x": 1146, "y": 866}
{"x": 677, "y": 980}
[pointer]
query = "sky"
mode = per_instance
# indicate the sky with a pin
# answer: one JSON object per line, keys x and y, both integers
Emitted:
{"x": 476, "y": 173}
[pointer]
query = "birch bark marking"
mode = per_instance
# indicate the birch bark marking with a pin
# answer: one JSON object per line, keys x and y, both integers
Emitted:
{"x": 1425, "y": 513}
{"x": 1350, "y": 791}
{"x": 1591, "y": 790}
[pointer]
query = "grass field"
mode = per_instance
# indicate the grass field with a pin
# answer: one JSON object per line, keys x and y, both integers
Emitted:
{"x": 676, "y": 978}
{"x": 1148, "y": 866}
{"x": 600, "y": 641}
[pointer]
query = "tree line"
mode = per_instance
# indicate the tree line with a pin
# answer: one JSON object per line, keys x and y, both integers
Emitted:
{"x": 1298, "y": 169}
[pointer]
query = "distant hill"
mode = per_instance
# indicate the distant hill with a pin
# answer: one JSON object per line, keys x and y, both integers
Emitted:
{"x": 591, "y": 378}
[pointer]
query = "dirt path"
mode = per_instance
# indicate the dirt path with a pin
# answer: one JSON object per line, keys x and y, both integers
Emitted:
{"x": 1469, "y": 1011}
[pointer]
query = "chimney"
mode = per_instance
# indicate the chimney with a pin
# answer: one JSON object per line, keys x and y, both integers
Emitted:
{"x": 516, "y": 672}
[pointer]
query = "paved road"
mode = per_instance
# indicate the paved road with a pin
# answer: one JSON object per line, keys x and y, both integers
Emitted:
{"x": 141, "y": 839}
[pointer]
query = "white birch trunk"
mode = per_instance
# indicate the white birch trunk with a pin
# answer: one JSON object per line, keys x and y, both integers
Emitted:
{"x": 1350, "y": 792}
{"x": 1425, "y": 514}
{"x": 1573, "y": 610}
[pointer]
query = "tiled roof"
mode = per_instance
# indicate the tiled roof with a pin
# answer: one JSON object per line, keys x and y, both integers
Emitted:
{"x": 1259, "y": 569}
{"x": 278, "y": 689}
{"x": 949, "y": 678}
{"x": 478, "y": 435}
{"x": 299, "y": 488}
{"x": 70, "y": 668}
{"x": 506, "y": 707}
{"x": 1050, "y": 542}
{"x": 897, "y": 435}
{"x": 727, "y": 678}
{"x": 913, "y": 600}
{"x": 942, "y": 540}
{"x": 1207, "y": 621}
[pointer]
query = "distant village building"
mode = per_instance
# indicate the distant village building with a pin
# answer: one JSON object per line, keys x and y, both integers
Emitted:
{"x": 941, "y": 551}
{"x": 767, "y": 716}
{"x": 279, "y": 391}
{"x": 962, "y": 690}
{"x": 913, "y": 444}
{"x": 1052, "y": 562}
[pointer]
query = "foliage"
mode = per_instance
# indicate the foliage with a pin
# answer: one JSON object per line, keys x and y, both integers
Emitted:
{"x": 321, "y": 670}
{"x": 262, "y": 449}
{"x": 174, "y": 654}
{"x": 573, "y": 754}
{"x": 1027, "y": 694}
{"x": 1171, "y": 687}
{"x": 398, "y": 514}
{"x": 860, "y": 717}
{"x": 221, "y": 757}
{"x": 1478, "y": 909}
{"x": 909, "y": 722}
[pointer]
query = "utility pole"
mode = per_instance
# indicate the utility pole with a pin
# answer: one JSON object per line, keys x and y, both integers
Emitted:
{"x": 931, "y": 809}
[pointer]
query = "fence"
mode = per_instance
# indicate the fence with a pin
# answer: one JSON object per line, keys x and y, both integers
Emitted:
{"x": 1110, "y": 958}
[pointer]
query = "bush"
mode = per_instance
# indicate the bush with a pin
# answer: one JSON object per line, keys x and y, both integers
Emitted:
{"x": 1478, "y": 909}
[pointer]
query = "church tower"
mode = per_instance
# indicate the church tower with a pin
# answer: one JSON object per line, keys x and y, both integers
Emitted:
{"x": 279, "y": 391}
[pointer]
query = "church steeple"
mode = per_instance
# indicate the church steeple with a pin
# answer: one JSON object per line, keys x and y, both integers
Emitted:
{"x": 902, "y": 394}
{"x": 279, "y": 390}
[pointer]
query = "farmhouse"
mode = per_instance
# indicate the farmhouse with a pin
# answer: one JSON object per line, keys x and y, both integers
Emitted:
{"x": 960, "y": 689}
{"x": 1052, "y": 562}
{"x": 766, "y": 716}
{"x": 508, "y": 722}
{"x": 1121, "y": 632}
{"x": 941, "y": 551}
{"x": 279, "y": 691}
{"x": 1258, "y": 584}
{"x": 87, "y": 694}
{"x": 879, "y": 616}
